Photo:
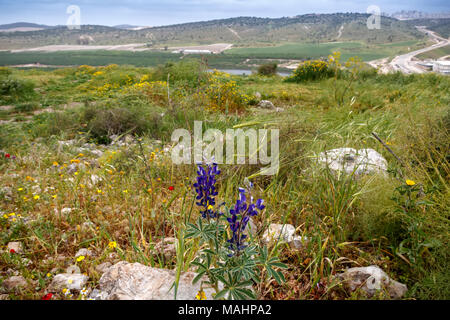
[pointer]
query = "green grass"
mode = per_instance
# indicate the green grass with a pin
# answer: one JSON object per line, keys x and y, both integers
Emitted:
{"x": 350, "y": 222}
{"x": 318, "y": 50}
{"x": 94, "y": 58}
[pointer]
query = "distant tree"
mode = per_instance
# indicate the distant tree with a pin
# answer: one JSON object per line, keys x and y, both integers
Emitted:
{"x": 267, "y": 69}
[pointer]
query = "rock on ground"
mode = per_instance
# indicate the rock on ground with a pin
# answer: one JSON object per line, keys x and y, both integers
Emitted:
{"x": 14, "y": 282}
{"x": 371, "y": 279}
{"x": 16, "y": 246}
{"x": 285, "y": 232}
{"x": 134, "y": 281}
{"x": 298, "y": 242}
{"x": 71, "y": 281}
{"x": 364, "y": 161}
{"x": 101, "y": 268}
{"x": 84, "y": 252}
{"x": 266, "y": 104}
{"x": 168, "y": 248}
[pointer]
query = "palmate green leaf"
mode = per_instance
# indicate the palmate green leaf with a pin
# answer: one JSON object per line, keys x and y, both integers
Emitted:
{"x": 245, "y": 269}
{"x": 244, "y": 284}
{"x": 198, "y": 277}
{"x": 251, "y": 251}
{"x": 277, "y": 275}
{"x": 221, "y": 294}
{"x": 270, "y": 264}
{"x": 198, "y": 264}
{"x": 246, "y": 293}
{"x": 205, "y": 231}
{"x": 223, "y": 280}
{"x": 275, "y": 262}
{"x": 208, "y": 251}
{"x": 192, "y": 231}
{"x": 242, "y": 294}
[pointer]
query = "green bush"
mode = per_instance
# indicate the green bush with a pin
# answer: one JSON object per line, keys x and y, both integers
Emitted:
{"x": 12, "y": 89}
{"x": 5, "y": 72}
{"x": 187, "y": 72}
{"x": 26, "y": 107}
{"x": 103, "y": 122}
{"x": 268, "y": 69}
{"x": 311, "y": 70}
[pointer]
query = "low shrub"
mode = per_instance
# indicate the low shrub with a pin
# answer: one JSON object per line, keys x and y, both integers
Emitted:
{"x": 222, "y": 94}
{"x": 268, "y": 69}
{"x": 103, "y": 122}
{"x": 311, "y": 70}
{"x": 12, "y": 90}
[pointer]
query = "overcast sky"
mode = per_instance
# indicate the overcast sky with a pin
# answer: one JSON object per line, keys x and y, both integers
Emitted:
{"x": 163, "y": 12}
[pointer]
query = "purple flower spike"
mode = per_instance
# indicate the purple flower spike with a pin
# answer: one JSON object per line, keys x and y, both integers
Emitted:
{"x": 206, "y": 190}
{"x": 240, "y": 216}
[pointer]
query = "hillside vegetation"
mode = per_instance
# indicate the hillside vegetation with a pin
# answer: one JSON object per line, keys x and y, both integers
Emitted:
{"x": 85, "y": 163}
{"x": 242, "y": 31}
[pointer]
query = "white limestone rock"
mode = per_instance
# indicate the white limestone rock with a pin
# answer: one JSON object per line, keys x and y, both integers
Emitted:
{"x": 134, "y": 281}
{"x": 371, "y": 279}
{"x": 349, "y": 160}
{"x": 275, "y": 231}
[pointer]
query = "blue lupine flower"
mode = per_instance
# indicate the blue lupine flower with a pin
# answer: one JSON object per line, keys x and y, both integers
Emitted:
{"x": 240, "y": 216}
{"x": 206, "y": 190}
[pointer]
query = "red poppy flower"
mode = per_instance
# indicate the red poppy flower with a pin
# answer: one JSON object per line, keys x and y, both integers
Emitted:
{"x": 7, "y": 155}
{"x": 12, "y": 251}
{"x": 171, "y": 188}
{"x": 48, "y": 296}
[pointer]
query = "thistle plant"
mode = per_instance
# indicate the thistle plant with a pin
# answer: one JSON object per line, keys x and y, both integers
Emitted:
{"x": 230, "y": 261}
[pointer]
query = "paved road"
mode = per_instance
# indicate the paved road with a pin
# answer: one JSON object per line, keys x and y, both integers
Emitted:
{"x": 404, "y": 62}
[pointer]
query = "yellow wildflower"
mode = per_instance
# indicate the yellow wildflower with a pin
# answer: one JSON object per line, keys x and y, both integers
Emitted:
{"x": 410, "y": 182}
{"x": 112, "y": 245}
{"x": 80, "y": 258}
{"x": 201, "y": 295}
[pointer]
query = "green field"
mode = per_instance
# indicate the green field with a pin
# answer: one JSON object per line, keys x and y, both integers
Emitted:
{"x": 94, "y": 58}
{"x": 233, "y": 58}
{"x": 318, "y": 50}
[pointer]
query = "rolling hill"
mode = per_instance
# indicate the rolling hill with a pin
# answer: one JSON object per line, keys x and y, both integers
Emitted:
{"x": 241, "y": 31}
